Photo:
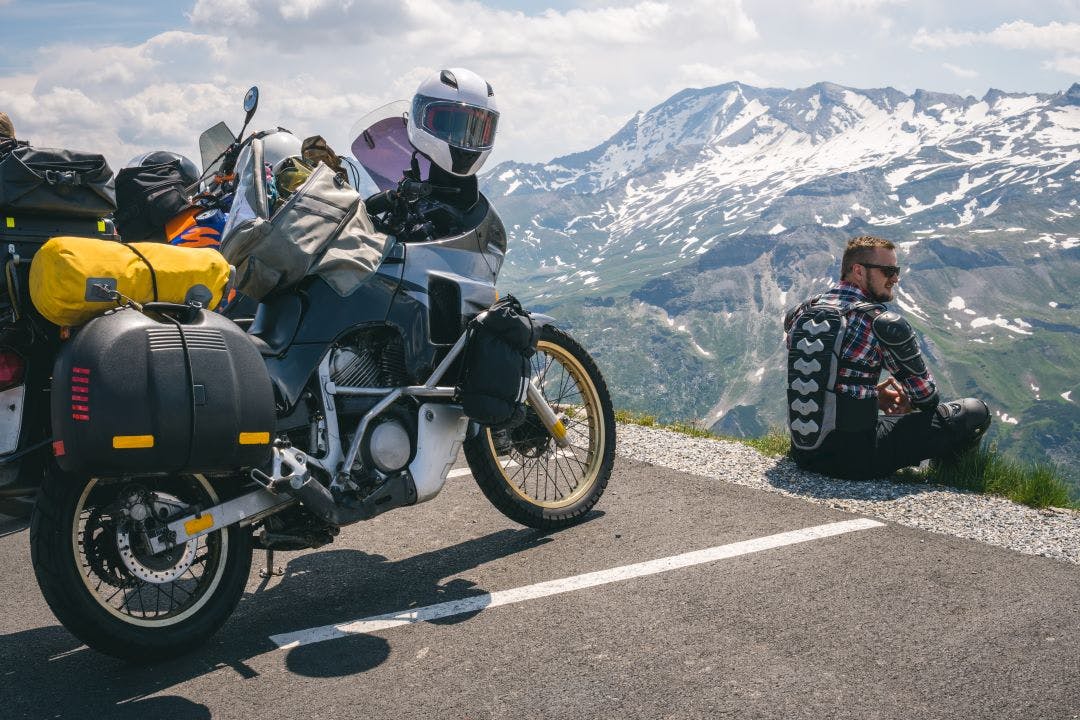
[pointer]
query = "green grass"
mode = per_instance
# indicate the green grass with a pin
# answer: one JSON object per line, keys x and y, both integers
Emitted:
{"x": 635, "y": 418}
{"x": 774, "y": 443}
{"x": 645, "y": 420}
{"x": 983, "y": 470}
{"x": 986, "y": 471}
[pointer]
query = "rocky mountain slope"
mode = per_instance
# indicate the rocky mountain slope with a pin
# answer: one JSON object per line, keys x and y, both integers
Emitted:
{"x": 674, "y": 247}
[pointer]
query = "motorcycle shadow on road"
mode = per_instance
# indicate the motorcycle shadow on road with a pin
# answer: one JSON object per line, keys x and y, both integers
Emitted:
{"x": 12, "y": 525}
{"x": 47, "y": 673}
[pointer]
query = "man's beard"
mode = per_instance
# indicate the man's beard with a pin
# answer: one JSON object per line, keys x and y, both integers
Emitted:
{"x": 884, "y": 295}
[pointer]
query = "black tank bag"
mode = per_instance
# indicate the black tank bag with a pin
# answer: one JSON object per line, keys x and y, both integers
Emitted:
{"x": 147, "y": 197}
{"x": 496, "y": 368}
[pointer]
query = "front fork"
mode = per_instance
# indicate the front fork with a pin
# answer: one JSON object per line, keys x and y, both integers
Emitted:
{"x": 552, "y": 422}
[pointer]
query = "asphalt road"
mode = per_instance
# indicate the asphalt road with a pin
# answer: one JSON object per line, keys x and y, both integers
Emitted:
{"x": 881, "y": 622}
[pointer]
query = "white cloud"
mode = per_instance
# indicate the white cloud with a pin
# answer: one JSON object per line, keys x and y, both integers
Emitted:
{"x": 1068, "y": 64}
{"x": 850, "y": 6}
{"x": 1016, "y": 35}
{"x": 560, "y": 77}
{"x": 960, "y": 71}
{"x": 565, "y": 79}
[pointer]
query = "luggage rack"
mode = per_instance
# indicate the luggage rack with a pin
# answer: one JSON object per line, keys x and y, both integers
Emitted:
{"x": 20, "y": 237}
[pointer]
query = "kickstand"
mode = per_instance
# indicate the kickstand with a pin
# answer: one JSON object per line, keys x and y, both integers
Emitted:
{"x": 270, "y": 569}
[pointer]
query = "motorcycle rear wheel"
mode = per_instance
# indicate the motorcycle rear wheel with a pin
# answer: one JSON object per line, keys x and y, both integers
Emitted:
{"x": 522, "y": 471}
{"x": 110, "y": 591}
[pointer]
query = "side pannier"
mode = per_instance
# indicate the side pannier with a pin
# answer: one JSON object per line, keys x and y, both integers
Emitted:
{"x": 153, "y": 392}
{"x": 496, "y": 368}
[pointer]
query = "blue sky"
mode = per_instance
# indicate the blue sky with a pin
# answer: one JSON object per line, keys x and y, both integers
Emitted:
{"x": 128, "y": 76}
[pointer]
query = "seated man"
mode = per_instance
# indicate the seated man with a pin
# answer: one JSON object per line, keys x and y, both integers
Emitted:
{"x": 837, "y": 345}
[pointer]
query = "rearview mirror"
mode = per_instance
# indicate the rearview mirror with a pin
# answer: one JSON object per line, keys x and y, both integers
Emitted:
{"x": 251, "y": 101}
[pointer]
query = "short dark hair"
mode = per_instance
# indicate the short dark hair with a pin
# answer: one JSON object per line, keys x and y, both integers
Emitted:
{"x": 860, "y": 249}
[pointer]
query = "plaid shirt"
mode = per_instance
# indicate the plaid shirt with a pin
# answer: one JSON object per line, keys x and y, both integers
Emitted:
{"x": 861, "y": 347}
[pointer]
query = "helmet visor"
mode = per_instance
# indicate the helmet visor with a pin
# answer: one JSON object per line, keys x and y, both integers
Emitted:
{"x": 463, "y": 126}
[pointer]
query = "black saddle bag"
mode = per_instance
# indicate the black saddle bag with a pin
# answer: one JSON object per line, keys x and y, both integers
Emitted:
{"x": 496, "y": 369}
{"x": 54, "y": 181}
{"x": 147, "y": 197}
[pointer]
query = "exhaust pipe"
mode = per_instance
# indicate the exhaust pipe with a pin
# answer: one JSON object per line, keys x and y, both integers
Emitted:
{"x": 396, "y": 491}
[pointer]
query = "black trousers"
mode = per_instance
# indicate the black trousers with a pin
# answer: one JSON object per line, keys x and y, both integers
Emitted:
{"x": 897, "y": 441}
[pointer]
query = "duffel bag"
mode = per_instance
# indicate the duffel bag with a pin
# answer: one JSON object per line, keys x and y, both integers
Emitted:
{"x": 74, "y": 279}
{"x": 147, "y": 197}
{"x": 322, "y": 229}
{"x": 496, "y": 366}
{"x": 55, "y": 181}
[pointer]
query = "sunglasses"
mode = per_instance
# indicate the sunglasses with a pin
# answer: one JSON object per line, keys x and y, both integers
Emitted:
{"x": 888, "y": 270}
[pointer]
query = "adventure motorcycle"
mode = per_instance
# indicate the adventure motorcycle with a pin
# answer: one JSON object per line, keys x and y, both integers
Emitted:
{"x": 364, "y": 417}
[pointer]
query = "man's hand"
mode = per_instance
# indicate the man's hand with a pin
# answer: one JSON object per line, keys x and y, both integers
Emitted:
{"x": 892, "y": 399}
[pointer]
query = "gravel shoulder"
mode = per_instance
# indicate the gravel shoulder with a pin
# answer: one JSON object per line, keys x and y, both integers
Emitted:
{"x": 1053, "y": 533}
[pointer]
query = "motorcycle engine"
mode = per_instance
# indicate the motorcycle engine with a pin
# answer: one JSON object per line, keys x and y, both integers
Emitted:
{"x": 370, "y": 360}
{"x": 389, "y": 446}
{"x": 376, "y": 360}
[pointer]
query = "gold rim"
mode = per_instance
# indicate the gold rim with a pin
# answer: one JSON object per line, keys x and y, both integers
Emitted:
{"x": 533, "y": 466}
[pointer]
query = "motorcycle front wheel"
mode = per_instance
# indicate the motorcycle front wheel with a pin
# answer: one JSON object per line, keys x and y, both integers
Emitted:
{"x": 523, "y": 471}
{"x": 104, "y": 583}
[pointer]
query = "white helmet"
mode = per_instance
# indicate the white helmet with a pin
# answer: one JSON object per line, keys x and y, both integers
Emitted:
{"x": 278, "y": 145}
{"x": 453, "y": 120}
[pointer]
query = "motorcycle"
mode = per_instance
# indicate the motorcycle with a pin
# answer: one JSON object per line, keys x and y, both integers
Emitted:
{"x": 366, "y": 418}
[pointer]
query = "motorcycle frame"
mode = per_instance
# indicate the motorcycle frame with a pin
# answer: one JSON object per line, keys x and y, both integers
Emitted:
{"x": 267, "y": 500}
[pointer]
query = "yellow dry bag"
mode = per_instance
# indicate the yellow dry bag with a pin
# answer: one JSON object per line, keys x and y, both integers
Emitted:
{"x": 74, "y": 279}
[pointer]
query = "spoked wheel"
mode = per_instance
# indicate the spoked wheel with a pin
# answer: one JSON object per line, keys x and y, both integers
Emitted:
{"x": 106, "y": 584}
{"x": 523, "y": 471}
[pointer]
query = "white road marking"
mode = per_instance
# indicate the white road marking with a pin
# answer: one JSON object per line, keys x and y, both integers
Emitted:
{"x": 458, "y": 472}
{"x": 375, "y": 623}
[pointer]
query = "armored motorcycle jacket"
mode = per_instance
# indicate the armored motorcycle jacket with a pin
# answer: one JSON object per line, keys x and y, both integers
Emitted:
{"x": 838, "y": 343}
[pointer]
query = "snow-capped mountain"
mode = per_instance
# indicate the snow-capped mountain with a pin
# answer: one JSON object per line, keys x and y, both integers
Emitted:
{"x": 675, "y": 246}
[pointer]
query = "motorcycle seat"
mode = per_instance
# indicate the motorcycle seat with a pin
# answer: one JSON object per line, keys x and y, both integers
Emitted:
{"x": 275, "y": 324}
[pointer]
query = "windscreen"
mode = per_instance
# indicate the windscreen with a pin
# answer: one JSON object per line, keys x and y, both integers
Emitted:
{"x": 212, "y": 144}
{"x": 380, "y": 142}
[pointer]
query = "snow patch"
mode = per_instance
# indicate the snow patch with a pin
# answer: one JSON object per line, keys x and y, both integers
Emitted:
{"x": 910, "y": 306}
{"x": 702, "y": 351}
{"x": 777, "y": 229}
{"x": 1000, "y": 322}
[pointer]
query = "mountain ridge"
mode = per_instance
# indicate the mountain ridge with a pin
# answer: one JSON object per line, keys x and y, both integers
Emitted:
{"x": 703, "y": 218}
